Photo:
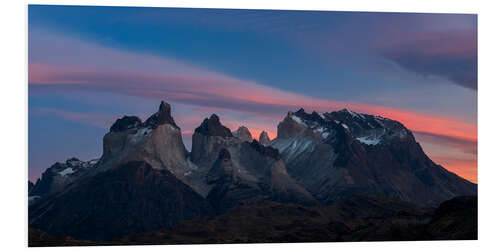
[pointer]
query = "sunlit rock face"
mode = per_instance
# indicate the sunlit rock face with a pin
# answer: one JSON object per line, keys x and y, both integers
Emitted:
{"x": 243, "y": 134}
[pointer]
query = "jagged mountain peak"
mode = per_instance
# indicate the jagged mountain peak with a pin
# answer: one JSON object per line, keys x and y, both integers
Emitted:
{"x": 59, "y": 175}
{"x": 214, "y": 117}
{"x": 315, "y": 158}
{"x": 303, "y": 124}
{"x": 162, "y": 116}
{"x": 306, "y": 118}
{"x": 370, "y": 129}
{"x": 157, "y": 141}
{"x": 213, "y": 127}
{"x": 361, "y": 147}
{"x": 367, "y": 129}
{"x": 264, "y": 138}
{"x": 243, "y": 133}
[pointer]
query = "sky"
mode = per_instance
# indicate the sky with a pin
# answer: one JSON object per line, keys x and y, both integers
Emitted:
{"x": 89, "y": 66}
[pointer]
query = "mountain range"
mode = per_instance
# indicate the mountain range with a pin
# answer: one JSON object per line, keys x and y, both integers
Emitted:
{"x": 147, "y": 181}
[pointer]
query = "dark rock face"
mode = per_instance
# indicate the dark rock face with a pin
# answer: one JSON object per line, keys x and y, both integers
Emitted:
{"x": 30, "y": 186}
{"x": 339, "y": 154}
{"x": 266, "y": 151}
{"x": 264, "y": 138}
{"x": 124, "y": 123}
{"x": 162, "y": 116}
{"x": 224, "y": 154}
{"x": 255, "y": 173}
{"x": 212, "y": 127}
{"x": 129, "y": 199}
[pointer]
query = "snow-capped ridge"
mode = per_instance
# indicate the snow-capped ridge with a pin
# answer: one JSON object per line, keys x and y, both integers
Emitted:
{"x": 297, "y": 120}
{"x": 367, "y": 129}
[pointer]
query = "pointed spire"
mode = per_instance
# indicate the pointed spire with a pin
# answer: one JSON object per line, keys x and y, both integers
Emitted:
{"x": 243, "y": 133}
{"x": 163, "y": 116}
{"x": 264, "y": 138}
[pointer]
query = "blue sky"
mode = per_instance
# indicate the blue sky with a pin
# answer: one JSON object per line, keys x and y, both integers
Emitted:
{"x": 90, "y": 65}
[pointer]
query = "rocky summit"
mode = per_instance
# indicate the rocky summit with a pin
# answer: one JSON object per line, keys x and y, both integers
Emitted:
{"x": 243, "y": 133}
{"x": 264, "y": 138}
{"x": 146, "y": 181}
{"x": 342, "y": 153}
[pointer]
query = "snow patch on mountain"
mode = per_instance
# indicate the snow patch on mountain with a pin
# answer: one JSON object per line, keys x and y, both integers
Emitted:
{"x": 34, "y": 197}
{"x": 90, "y": 163}
{"x": 67, "y": 171}
{"x": 368, "y": 140}
{"x": 352, "y": 113}
{"x": 293, "y": 147}
{"x": 320, "y": 129}
{"x": 73, "y": 162}
{"x": 298, "y": 120}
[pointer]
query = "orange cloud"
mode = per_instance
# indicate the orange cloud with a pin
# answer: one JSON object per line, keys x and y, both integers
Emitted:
{"x": 466, "y": 168}
{"x": 212, "y": 91}
{"x": 234, "y": 94}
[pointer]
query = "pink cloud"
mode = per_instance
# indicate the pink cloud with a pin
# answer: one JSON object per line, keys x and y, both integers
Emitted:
{"x": 230, "y": 94}
{"x": 97, "y": 120}
{"x": 466, "y": 168}
{"x": 64, "y": 64}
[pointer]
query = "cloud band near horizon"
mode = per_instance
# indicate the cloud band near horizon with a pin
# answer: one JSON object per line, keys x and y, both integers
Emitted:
{"x": 55, "y": 67}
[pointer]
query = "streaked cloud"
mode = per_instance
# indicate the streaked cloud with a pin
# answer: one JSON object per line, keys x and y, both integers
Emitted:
{"x": 60, "y": 64}
{"x": 97, "y": 120}
{"x": 466, "y": 168}
{"x": 227, "y": 93}
{"x": 465, "y": 145}
{"x": 448, "y": 54}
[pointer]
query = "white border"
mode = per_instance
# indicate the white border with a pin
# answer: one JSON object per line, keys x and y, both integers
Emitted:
{"x": 13, "y": 177}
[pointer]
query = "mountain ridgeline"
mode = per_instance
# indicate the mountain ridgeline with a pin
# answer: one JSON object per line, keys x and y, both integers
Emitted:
{"x": 147, "y": 181}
